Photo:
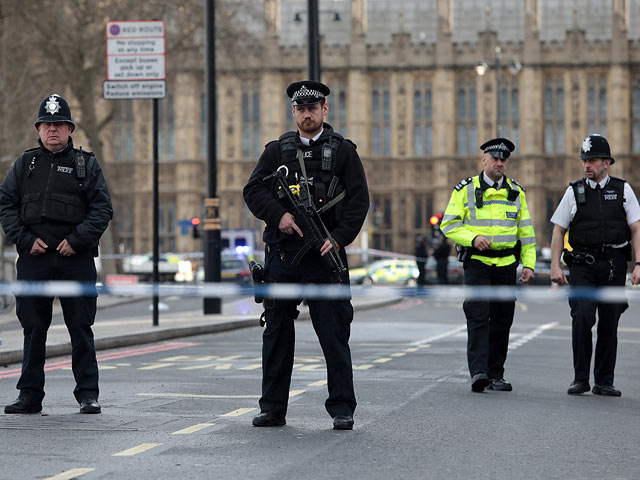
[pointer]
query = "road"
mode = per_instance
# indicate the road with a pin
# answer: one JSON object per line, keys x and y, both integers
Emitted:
{"x": 184, "y": 408}
{"x": 127, "y": 308}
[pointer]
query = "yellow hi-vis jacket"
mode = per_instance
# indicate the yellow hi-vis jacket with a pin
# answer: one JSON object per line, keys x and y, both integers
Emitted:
{"x": 501, "y": 220}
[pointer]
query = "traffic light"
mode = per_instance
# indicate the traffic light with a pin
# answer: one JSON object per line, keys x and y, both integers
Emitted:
{"x": 435, "y": 221}
{"x": 195, "y": 232}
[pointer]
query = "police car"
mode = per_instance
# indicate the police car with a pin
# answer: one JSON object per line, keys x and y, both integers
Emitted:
{"x": 386, "y": 272}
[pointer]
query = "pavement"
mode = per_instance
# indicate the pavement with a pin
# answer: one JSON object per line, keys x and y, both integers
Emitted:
{"x": 138, "y": 330}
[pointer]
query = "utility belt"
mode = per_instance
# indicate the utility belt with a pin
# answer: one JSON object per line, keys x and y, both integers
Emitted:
{"x": 259, "y": 278}
{"x": 465, "y": 253}
{"x": 583, "y": 256}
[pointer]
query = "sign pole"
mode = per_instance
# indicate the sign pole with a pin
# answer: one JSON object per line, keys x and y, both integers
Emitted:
{"x": 136, "y": 68}
{"x": 156, "y": 216}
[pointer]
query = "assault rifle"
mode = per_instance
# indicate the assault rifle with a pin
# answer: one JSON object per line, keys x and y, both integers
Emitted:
{"x": 308, "y": 218}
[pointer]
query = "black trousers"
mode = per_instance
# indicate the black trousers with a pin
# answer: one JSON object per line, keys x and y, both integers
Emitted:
{"x": 35, "y": 315}
{"x": 488, "y": 322}
{"x": 442, "y": 265}
{"x": 331, "y": 321}
{"x": 583, "y": 314}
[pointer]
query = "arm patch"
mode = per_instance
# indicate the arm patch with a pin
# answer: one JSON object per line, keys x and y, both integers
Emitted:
{"x": 464, "y": 182}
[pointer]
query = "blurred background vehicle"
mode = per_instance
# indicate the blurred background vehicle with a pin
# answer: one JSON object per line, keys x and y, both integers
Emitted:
{"x": 542, "y": 273}
{"x": 234, "y": 267}
{"x": 142, "y": 266}
{"x": 386, "y": 272}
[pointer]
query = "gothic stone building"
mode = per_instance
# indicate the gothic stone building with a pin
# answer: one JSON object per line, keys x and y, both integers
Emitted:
{"x": 406, "y": 88}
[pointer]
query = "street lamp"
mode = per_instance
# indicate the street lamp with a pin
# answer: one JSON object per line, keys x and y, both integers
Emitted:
{"x": 314, "y": 36}
{"x": 481, "y": 68}
{"x": 514, "y": 68}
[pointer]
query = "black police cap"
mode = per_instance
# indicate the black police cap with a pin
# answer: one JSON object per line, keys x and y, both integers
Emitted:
{"x": 53, "y": 109}
{"x": 498, "y": 147}
{"x": 596, "y": 146}
{"x": 307, "y": 92}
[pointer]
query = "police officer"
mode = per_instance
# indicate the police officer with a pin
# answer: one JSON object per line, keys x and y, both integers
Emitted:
{"x": 55, "y": 205}
{"x": 333, "y": 175}
{"x": 488, "y": 218}
{"x": 421, "y": 260}
{"x": 441, "y": 254}
{"x": 602, "y": 216}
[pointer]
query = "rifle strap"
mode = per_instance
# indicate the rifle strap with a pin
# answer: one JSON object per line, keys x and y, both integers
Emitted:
{"x": 304, "y": 174}
{"x": 332, "y": 202}
{"x": 301, "y": 253}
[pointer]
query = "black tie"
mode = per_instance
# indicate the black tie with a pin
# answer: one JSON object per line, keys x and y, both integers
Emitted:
{"x": 597, "y": 186}
{"x": 496, "y": 186}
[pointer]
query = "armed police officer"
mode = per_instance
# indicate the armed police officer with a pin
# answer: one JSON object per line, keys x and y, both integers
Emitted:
{"x": 488, "y": 218}
{"x": 55, "y": 205}
{"x": 325, "y": 172}
{"x": 602, "y": 216}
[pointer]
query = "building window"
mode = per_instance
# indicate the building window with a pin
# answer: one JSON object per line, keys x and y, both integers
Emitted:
{"x": 466, "y": 120}
{"x": 166, "y": 129}
{"x": 597, "y": 105}
{"x": 423, "y": 209}
{"x": 251, "y": 122}
{"x": 553, "y": 116}
{"x": 509, "y": 120}
{"x": 167, "y": 224}
{"x": 338, "y": 109}
{"x": 635, "y": 116}
{"x": 422, "y": 120}
{"x": 380, "y": 120}
{"x": 124, "y": 210}
{"x": 123, "y": 140}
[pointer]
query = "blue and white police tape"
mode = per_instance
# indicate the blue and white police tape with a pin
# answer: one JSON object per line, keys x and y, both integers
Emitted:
{"x": 323, "y": 291}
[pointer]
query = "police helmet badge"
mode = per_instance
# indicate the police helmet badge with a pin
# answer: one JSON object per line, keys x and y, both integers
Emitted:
{"x": 52, "y": 106}
{"x": 596, "y": 146}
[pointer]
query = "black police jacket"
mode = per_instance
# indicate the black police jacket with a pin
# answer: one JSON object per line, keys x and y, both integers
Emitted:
{"x": 600, "y": 219}
{"x": 261, "y": 198}
{"x": 42, "y": 196}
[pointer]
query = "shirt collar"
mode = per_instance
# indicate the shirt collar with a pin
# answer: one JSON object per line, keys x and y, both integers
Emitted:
{"x": 593, "y": 184}
{"x": 306, "y": 141}
{"x": 490, "y": 182}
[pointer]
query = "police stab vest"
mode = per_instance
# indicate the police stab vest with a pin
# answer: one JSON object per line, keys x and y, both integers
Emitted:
{"x": 600, "y": 217}
{"x": 52, "y": 190}
{"x": 320, "y": 160}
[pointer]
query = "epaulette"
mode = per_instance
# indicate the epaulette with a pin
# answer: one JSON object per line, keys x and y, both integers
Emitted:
{"x": 464, "y": 182}
{"x": 32, "y": 149}
{"x": 575, "y": 182}
{"x": 351, "y": 142}
{"x": 617, "y": 178}
{"x": 518, "y": 185}
{"x": 270, "y": 143}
